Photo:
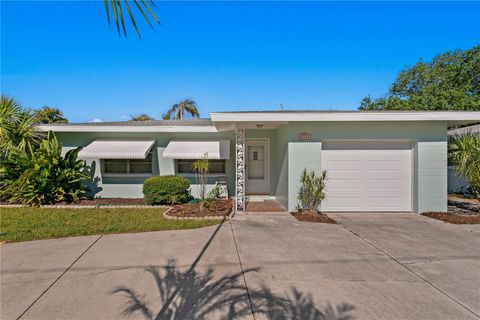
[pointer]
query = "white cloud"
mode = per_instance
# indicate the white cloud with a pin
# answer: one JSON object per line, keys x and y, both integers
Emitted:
{"x": 125, "y": 117}
{"x": 97, "y": 120}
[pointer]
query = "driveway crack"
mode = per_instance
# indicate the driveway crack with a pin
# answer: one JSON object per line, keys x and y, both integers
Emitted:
{"x": 59, "y": 277}
{"x": 242, "y": 270}
{"x": 412, "y": 271}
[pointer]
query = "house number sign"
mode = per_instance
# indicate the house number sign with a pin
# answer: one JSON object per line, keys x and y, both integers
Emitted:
{"x": 305, "y": 136}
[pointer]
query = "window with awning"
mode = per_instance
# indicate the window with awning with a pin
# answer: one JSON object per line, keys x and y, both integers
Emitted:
{"x": 190, "y": 150}
{"x": 117, "y": 149}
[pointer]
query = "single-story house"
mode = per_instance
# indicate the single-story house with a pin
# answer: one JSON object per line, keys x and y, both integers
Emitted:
{"x": 376, "y": 161}
{"x": 456, "y": 182}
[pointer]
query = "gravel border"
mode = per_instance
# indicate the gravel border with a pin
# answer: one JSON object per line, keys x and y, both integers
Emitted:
{"x": 229, "y": 216}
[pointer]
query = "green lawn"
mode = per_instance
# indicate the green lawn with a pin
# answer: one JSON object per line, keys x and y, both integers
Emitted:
{"x": 30, "y": 223}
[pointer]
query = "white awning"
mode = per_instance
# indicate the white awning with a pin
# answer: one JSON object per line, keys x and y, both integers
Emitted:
{"x": 116, "y": 149}
{"x": 198, "y": 150}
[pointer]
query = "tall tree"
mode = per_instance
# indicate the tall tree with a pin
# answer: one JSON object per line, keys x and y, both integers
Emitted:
{"x": 17, "y": 127}
{"x": 179, "y": 110}
{"x": 451, "y": 81}
{"x": 48, "y": 114}
{"x": 116, "y": 8}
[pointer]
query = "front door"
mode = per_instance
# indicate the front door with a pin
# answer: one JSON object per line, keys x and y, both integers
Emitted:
{"x": 257, "y": 167}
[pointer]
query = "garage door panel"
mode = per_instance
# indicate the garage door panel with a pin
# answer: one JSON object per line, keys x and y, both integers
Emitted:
{"x": 338, "y": 185}
{"x": 341, "y": 164}
{"x": 344, "y": 176}
{"x": 375, "y": 194}
{"x": 386, "y": 165}
{"x": 350, "y": 204}
{"x": 370, "y": 176}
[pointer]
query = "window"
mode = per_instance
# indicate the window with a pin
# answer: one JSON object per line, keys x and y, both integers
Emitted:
{"x": 185, "y": 166}
{"x": 128, "y": 166}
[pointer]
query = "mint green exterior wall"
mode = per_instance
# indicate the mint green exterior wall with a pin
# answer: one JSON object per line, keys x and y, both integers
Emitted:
{"x": 131, "y": 187}
{"x": 429, "y": 163}
{"x": 289, "y": 156}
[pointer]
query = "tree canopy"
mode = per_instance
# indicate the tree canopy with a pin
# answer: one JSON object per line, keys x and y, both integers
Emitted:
{"x": 451, "y": 81}
{"x": 141, "y": 117}
{"x": 48, "y": 114}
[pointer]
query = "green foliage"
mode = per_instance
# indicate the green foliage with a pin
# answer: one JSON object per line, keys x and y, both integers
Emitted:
{"x": 17, "y": 128}
{"x": 166, "y": 190}
{"x": 142, "y": 117}
{"x": 201, "y": 167}
{"x": 464, "y": 152}
{"x": 43, "y": 176}
{"x": 178, "y": 110}
{"x": 50, "y": 115}
{"x": 117, "y": 7}
{"x": 214, "y": 193}
{"x": 312, "y": 190}
{"x": 450, "y": 81}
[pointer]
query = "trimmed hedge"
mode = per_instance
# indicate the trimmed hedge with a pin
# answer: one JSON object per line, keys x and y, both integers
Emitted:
{"x": 166, "y": 190}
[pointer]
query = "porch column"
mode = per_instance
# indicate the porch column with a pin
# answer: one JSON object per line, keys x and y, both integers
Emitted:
{"x": 240, "y": 170}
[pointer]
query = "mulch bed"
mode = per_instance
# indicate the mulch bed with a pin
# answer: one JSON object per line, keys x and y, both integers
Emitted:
{"x": 312, "y": 217}
{"x": 220, "y": 208}
{"x": 107, "y": 202}
{"x": 452, "y": 218}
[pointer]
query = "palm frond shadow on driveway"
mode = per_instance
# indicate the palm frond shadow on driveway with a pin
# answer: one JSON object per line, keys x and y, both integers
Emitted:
{"x": 193, "y": 294}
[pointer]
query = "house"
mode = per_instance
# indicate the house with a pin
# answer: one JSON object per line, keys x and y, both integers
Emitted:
{"x": 376, "y": 161}
{"x": 456, "y": 182}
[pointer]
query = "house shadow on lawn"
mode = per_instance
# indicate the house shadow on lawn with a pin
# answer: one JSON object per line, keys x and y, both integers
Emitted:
{"x": 193, "y": 294}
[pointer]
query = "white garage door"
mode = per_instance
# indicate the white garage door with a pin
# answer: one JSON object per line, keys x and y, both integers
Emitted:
{"x": 367, "y": 176}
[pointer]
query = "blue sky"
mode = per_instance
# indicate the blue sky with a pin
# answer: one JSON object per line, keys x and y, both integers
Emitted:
{"x": 224, "y": 55}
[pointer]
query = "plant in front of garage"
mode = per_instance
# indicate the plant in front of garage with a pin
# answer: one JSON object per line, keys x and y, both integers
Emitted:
{"x": 310, "y": 195}
{"x": 166, "y": 190}
{"x": 312, "y": 190}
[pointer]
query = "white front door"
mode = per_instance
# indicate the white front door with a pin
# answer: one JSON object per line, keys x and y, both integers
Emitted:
{"x": 257, "y": 167}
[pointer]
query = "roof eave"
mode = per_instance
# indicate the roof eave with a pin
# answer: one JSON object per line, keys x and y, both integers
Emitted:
{"x": 451, "y": 116}
{"x": 100, "y": 128}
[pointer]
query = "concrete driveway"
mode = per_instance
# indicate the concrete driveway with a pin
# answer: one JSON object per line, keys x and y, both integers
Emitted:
{"x": 384, "y": 266}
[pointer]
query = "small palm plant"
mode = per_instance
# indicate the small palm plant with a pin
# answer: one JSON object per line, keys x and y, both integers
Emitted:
{"x": 201, "y": 168}
{"x": 312, "y": 190}
{"x": 464, "y": 152}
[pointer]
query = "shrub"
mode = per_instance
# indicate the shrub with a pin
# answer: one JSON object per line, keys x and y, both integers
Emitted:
{"x": 43, "y": 176}
{"x": 464, "y": 152}
{"x": 312, "y": 190}
{"x": 166, "y": 190}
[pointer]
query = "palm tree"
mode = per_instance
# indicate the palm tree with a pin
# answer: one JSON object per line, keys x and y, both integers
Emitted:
{"x": 464, "y": 152}
{"x": 50, "y": 115}
{"x": 117, "y": 7}
{"x": 178, "y": 110}
{"x": 17, "y": 127}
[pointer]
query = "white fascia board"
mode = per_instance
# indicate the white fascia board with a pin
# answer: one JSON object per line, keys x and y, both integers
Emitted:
{"x": 469, "y": 116}
{"x": 99, "y": 128}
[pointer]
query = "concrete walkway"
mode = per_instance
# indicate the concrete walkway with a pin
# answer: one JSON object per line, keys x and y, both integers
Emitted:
{"x": 383, "y": 266}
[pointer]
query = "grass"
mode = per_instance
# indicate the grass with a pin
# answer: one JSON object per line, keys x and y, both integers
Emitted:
{"x": 30, "y": 223}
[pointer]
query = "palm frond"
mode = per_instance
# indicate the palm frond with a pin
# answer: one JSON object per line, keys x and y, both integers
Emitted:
{"x": 116, "y": 8}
